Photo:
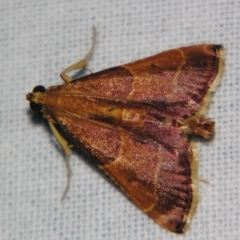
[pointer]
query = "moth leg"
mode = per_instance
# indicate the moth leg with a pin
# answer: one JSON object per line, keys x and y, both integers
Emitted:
{"x": 64, "y": 144}
{"x": 82, "y": 63}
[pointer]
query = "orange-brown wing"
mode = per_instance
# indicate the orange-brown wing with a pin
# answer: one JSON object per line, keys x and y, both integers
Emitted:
{"x": 175, "y": 81}
{"x": 157, "y": 177}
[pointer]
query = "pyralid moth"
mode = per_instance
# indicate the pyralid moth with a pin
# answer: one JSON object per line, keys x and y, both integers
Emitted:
{"x": 135, "y": 121}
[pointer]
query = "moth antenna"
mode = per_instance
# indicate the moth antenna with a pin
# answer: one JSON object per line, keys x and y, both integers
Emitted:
{"x": 203, "y": 180}
{"x": 88, "y": 70}
{"x": 82, "y": 63}
{"x": 93, "y": 44}
{"x": 64, "y": 144}
{"x": 69, "y": 176}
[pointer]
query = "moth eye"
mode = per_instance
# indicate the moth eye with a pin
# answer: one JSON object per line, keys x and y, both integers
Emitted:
{"x": 39, "y": 89}
{"x": 35, "y": 106}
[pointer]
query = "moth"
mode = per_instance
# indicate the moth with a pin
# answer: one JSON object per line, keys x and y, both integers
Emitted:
{"x": 135, "y": 121}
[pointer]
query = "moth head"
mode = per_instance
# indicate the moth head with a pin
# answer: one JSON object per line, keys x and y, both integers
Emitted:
{"x": 33, "y": 98}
